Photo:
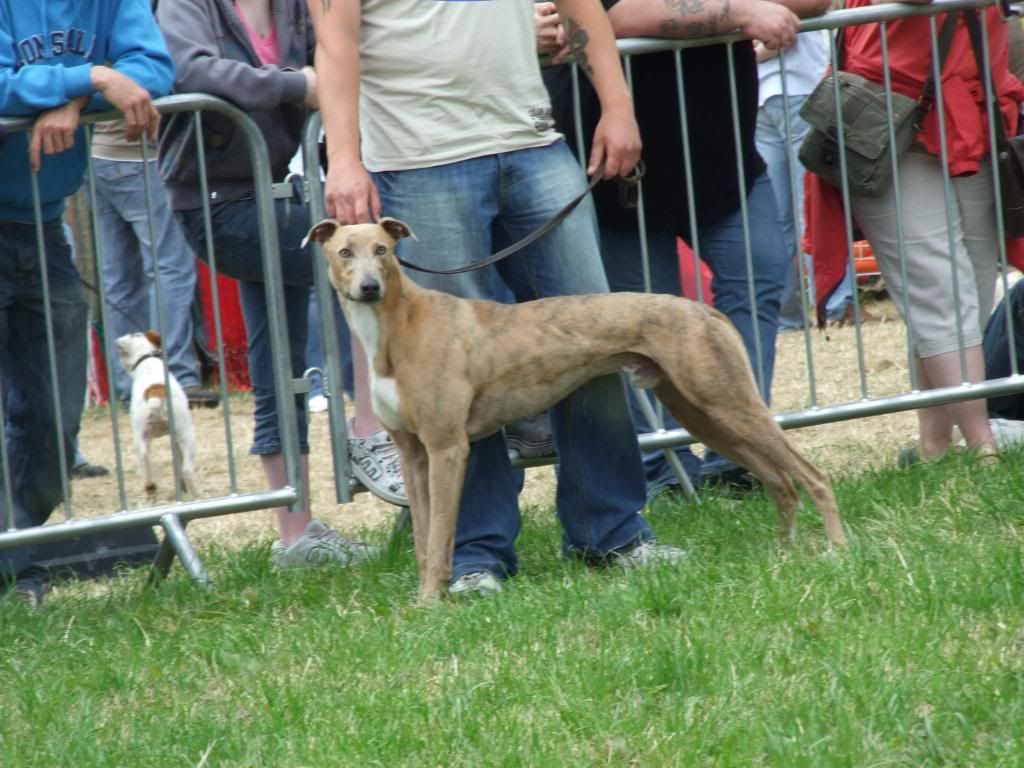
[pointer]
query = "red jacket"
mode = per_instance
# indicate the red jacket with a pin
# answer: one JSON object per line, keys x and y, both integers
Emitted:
{"x": 963, "y": 97}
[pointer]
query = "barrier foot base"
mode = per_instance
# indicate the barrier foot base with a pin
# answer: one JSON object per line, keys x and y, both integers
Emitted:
{"x": 176, "y": 542}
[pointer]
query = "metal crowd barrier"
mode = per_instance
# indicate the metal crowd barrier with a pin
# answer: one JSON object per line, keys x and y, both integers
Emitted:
{"x": 173, "y": 517}
{"x": 816, "y": 411}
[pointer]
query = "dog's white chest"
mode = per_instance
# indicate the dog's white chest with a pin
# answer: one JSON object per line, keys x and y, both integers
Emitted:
{"x": 383, "y": 390}
{"x": 385, "y": 401}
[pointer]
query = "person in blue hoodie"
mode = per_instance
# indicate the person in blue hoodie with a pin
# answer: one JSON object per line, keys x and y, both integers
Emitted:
{"x": 58, "y": 58}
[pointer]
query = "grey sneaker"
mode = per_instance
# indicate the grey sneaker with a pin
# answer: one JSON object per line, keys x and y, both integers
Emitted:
{"x": 376, "y": 465}
{"x": 530, "y": 437}
{"x": 482, "y": 583}
{"x": 646, "y": 553}
{"x": 320, "y": 545}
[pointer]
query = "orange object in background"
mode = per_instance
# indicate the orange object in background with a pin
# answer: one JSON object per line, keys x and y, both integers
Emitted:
{"x": 864, "y": 259}
{"x": 688, "y": 276}
{"x": 236, "y": 361}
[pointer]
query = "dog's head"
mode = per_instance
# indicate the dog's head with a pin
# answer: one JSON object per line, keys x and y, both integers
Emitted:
{"x": 361, "y": 261}
{"x": 132, "y": 347}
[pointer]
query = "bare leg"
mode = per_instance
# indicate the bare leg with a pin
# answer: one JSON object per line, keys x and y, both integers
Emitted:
{"x": 291, "y": 524}
{"x": 364, "y": 423}
{"x": 936, "y": 423}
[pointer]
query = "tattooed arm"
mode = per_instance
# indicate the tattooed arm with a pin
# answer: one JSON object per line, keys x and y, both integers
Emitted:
{"x": 590, "y": 39}
{"x": 772, "y": 23}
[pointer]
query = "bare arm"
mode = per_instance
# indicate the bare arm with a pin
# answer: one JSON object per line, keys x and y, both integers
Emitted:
{"x": 763, "y": 20}
{"x": 590, "y": 39}
{"x": 350, "y": 195}
{"x": 806, "y": 7}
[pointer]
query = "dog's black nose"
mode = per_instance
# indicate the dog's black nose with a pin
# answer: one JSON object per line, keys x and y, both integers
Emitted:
{"x": 369, "y": 290}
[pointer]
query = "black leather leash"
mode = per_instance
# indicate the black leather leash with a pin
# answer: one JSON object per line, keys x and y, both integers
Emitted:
{"x": 630, "y": 181}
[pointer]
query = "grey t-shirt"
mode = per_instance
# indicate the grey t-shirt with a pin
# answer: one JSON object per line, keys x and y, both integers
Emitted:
{"x": 449, "y": 80}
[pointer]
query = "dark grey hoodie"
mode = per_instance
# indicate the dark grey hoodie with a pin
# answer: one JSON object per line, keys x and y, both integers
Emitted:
{"x": 213, "y": 54}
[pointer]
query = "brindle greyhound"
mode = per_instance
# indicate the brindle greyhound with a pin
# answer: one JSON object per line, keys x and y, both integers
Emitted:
{"x": 445, "y": 371}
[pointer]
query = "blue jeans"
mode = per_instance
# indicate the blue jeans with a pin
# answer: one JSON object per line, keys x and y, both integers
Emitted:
{"x": 128, "y": 273}
{"x": 461, "y": 212}
{"x": 237, "y": 249}
{"x": 780, "y": 156}
{"x": 722, "y": 248}
{"x": 30, "y": 420}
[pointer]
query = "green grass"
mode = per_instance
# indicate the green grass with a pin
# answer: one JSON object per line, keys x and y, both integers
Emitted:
{"x": 906, "y": 650}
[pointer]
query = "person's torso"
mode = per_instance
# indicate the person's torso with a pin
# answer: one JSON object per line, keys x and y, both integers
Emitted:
{"x": 46, "y": 33}
{"x": 228, "y": 159}
{"x": 805, "y": 64}
{"x": 448, "y": 80}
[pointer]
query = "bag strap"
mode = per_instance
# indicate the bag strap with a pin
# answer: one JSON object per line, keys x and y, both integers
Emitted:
{"x": 974, "y": 30}
{"x": 927, "y": 97}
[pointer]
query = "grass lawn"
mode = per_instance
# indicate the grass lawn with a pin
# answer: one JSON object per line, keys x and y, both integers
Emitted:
{"x": 908, "y": 649}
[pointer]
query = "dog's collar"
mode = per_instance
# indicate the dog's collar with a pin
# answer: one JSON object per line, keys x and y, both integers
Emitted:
{"x": 146, "y": 356}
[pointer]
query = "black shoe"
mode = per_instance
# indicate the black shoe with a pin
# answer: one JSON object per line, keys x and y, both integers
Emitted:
{"x": 531, "y": 437}
{"x": 734, "y": 483}
{"x": 87, "y": 470}
{"x": 201, "y": 398}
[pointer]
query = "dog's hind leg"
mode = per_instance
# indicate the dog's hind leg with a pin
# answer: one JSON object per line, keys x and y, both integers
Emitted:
{"x": 146, "y": 468}
{"x": 745, "y": 432}
{"x": 185, "y": 444}
{"x": 415, "y": 470}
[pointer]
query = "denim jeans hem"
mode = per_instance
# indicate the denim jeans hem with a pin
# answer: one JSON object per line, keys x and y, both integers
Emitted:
{"x": 265, "y": 449}
{"x": 573, "y": 552}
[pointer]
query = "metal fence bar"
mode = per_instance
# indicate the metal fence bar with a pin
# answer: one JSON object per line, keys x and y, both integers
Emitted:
{"x": 218, "y": 325}
{"x": 51, "y": 349}
{"x": 161, "y": 310}
{"x": 104, "y": 306}
{"x": 948, "y": 194}
{"x": 759, "y": 358}
{"x": 901, "y": 241}
{"x": 691, "y": 204}
{"x": 326, "y": 300}
{"x": 793, "y": 169}
{"x": 997, "y": 187}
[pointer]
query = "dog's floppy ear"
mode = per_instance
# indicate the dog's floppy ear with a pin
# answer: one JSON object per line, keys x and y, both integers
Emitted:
{"x": 397, "y": 229}
{"x": 154, "y": 338}
{"x": 321, "y": 233}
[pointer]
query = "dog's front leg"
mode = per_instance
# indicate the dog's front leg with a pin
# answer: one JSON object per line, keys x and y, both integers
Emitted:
{"x": 415, "y": 470}
{"x": 447, "y": 472}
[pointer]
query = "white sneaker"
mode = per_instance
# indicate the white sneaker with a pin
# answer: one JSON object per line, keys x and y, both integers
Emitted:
{"x": 482, "y": 583}
{"x": 317, "y": 404}
{"x": 647, "y": 553}
{"x": 320, "y": 545}
{"x": 376, "y": 465}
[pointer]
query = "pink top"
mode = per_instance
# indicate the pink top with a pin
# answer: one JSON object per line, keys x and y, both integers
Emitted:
{"x": 266, "y": 47}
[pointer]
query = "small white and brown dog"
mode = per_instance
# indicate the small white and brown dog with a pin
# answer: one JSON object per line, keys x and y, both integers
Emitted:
{"x": 152, "y": 392}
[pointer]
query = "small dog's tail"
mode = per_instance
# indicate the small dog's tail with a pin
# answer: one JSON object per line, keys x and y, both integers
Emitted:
{"x": 155, "y": 395}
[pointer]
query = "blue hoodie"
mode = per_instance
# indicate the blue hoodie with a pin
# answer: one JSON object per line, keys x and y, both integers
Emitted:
{"x": 47, "y": 51}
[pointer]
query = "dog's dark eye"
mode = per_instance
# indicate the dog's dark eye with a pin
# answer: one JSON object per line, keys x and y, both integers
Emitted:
{"x": 380, "y": 250}
{"x": 345, "y": 253}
